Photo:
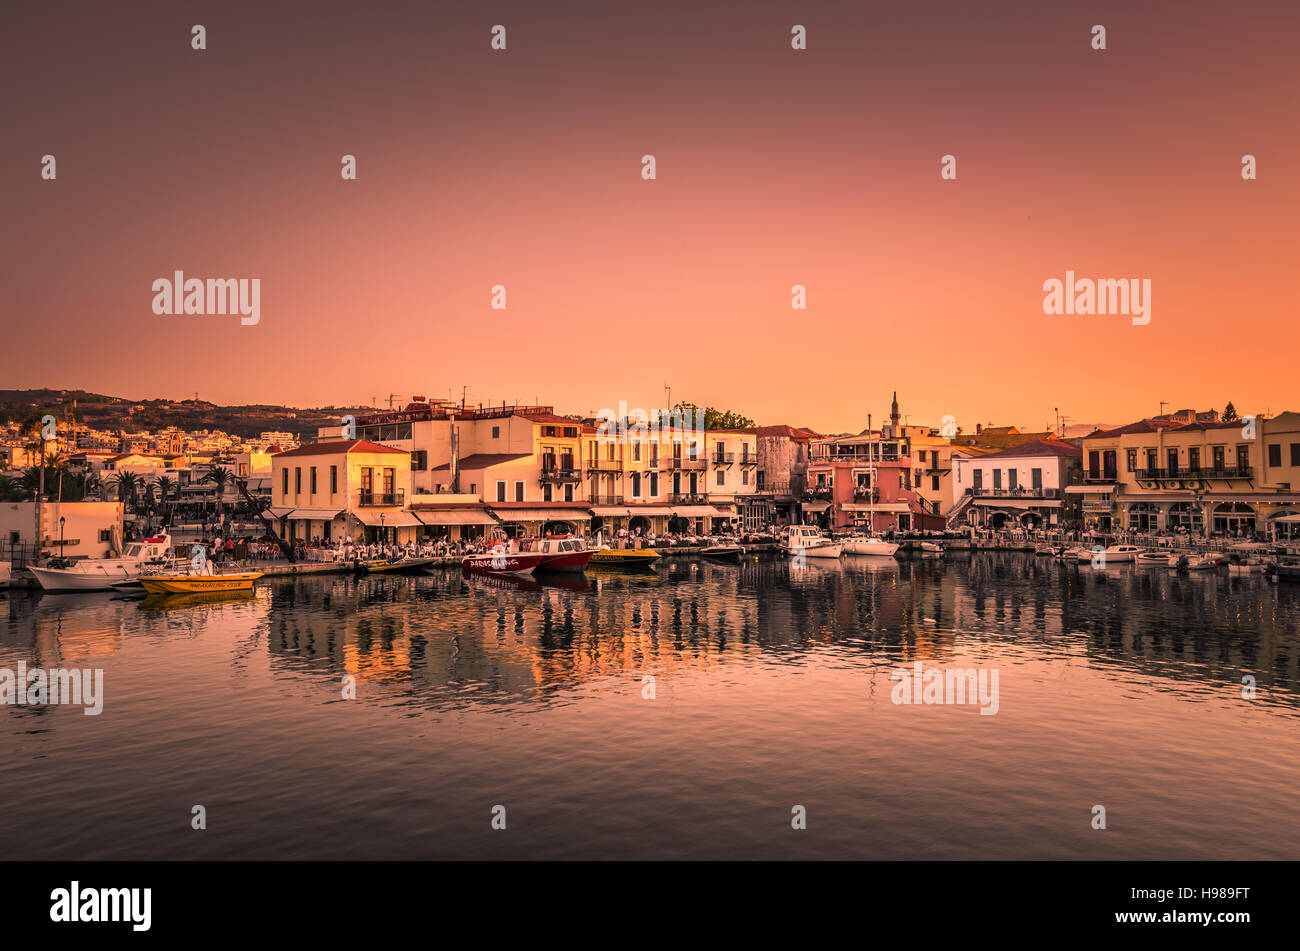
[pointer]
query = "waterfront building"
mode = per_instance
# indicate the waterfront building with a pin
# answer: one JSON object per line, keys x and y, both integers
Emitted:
{"x": 352, "y": 489}
{"x": 1022, "y": 487}
{"x": 31, "y": 530}
{"x": 782, "y": 473}
{"x": 1203, "y": 477}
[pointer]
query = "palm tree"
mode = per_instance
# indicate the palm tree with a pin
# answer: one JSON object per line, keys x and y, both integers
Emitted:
{"x": 11, "y": 489}
{"x": 166, "y": 486}
{"x": 220, "y": 477}
{"x": 90, "y": 485}
{"x": 127, "y": 486}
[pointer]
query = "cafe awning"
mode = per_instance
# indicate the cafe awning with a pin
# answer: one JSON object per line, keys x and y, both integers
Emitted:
{"x": 816, "y": 506}
{"x": 610, "y": 511}
{"x": 279, "y": 511}
{"x": 387, "y": 518}
{"x": 315, "y": 515}
{"x": 650, "y": 510}
{"x": 542, "y": 515}
{"x": 455, "y": 517}
{"x": 697, "y": 511}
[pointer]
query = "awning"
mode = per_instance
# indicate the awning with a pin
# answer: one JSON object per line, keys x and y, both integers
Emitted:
{"x": 697, "y": 511}
{"x": 1020, "y": 503}
{"x": 541, "y": 515}
{"x": 816, "y": 506}
{"x": 455, "y": 517}
{"x": 392, "y": 518}
{"x": 279, "y": 511}
{"x": 878, "y": 507}
{"x": 1084, "y": 489}
{"x": 316, "y": 515}
{"x": 608, "y": 511}
{"x": 1289, "y": 519}
{"x": 650, "y": 510}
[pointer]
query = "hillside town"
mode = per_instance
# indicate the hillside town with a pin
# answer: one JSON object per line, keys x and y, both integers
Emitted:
{"x": 440, "y": 470}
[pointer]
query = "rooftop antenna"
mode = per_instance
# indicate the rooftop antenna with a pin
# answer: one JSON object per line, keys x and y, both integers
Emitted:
{"x": 668, "y": 395}
{"x": 1163, "y": 404}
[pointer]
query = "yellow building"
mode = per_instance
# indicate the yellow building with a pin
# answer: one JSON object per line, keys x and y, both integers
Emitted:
{"x": 351, "y": 489}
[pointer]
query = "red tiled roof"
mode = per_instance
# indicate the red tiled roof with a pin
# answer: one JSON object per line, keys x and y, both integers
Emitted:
{"x": 1141, "y": 426}
{"x": 1039, "y": 447}
{"x": 345, "y": 445}
{"x": 482, "y": 460}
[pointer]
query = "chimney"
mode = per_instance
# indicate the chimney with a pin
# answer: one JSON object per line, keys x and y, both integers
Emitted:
{"x": 979, "y": 428}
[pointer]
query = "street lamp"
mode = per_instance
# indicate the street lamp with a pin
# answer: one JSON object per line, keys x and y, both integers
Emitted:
{"x": 62, "y": 521}
{"x": 383, "y": 532}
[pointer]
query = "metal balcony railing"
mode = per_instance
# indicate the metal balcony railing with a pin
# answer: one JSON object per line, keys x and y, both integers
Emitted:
{"x": 723, "y": 458}
{"x": 604, "y": 499}
{"x": 683, "y": 462}
{"x": 604, "y": 465}
{"x": 560, "y": 475}
{"x": 381, "y": 498}
{"x": 1225, "y": 472}
{"x": 688, "y": 498}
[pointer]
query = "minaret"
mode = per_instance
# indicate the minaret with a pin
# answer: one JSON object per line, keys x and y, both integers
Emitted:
{"x": 893, "y": 410}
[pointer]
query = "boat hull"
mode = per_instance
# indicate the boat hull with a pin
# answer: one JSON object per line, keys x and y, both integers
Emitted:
{"x": 627, "y": 557}
{"x": 722, "y": 553}
{"x": 516, "y": 563}
{"x": 565, "y": 561}
{"x": 64, "y": 579}
{"x": 183, "y": 584}
{"x": 876, "y": 549}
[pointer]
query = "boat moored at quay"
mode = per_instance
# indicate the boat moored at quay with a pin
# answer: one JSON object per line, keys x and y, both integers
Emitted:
{"x": 102, "y": 574}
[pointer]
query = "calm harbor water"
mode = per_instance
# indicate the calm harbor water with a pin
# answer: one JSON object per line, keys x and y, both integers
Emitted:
{"x": 771, "y": 688}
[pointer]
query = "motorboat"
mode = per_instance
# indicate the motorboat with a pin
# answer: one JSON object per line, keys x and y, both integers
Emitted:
{"x": 198, "y": 581}
{"x": 558, "y": 552}
{"x": 929, "y": 548}
{"x": 6, "y": 573}
{"x": 722, "y": 552}
{"x": 1111, "y": 554}
{"x": 100, "y": 574}
{"x": 809, "y": 542}
{"x": 395, "y": 565}
{"x": 869, "y": 545}
{"x": 501, "y": 561}
{"x": 625, "y": 557}
{"x": 1162, "y": 559}
{"x": 1047, "y": 551}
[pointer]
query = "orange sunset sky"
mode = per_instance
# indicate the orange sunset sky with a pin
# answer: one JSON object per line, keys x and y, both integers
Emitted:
{"x": 775, "y": 167}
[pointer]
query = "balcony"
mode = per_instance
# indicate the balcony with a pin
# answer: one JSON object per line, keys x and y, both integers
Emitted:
{"x": 604, "y": 499}
{"x": 817, "y": 492}
{"x": 560, "y": 476}
{"x": 1019, "y": 492}
{"x": 604, "y": 465}
{"x": 723, "y": 458}
{"x": 699, "y": 463}
{"x": 865, "y": 494}
{"x": 1109, "y": 475}
{"x": 688, "y": 498}
{"x": 1186, "y": 475}
{"x": 365, "y": 498}
{"x": 749, "y": 458}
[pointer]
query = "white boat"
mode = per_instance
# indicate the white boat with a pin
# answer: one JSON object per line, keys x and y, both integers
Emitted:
{"x": 868, "y": 545}
{"x": 6, "y": 573}
{"x": 1112, "y": 554}
{"x": 1159, "y": 558}
{"x": 101, "y": 574}
{"x": 810, "y": 542}
{"x": 930, "y": 548}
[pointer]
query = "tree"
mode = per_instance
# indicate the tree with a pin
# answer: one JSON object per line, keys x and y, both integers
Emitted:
{"x": 127, "y": 487}
{"x": 220, "y": 477}
{"x": 1230, "y": 413}
{"x": 715, "y": 418}
{"x": 166, "y": 485}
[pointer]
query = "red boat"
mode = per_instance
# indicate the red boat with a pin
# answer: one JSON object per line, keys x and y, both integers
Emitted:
{"x": 558, "y": 552}
{"x": 502, "y": 562}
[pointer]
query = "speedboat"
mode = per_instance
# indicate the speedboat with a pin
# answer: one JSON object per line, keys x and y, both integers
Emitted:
{"x": 809, "y": 542}
{"x": 930, "y": 548}
{"x": 395, "y": 565}
{"x": 1160, "y": 559}
{"x": 869, "y": 545}
{"x": 558, "y": 552}
{"x": 1047, "y": 551}
{"x": 100, "y": 574}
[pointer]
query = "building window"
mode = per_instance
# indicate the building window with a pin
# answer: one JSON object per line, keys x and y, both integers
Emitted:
{"x": 285, "y": 487}
{"x": 636, "y": 485}
{"x": 519, "y": 491}
{"x": 934, "y": 484}
{"x": 1275, "y": 454}
{"x": 496, "y": 432}
{"x": 1194, "y": 458}
{"x": 654, "y": 484}
{"x": 744, "y": 477}
{"x": 722, "y": 477}
{"x": 1131, "y": 459}
{"x": 501, "y": 491}
{"x": 313, "y": 480}
{"x": 419, "y": 460}
{"x": 1295, "y": 454}
{"x": 297, "y": 480}
{"x": 334, "y": 479}
{"x": 568, "y": 492}
{"x": 997, "y": 478}
{"x": 546, "y": 492}
{"x": 105, "y": 534}
{"x": 636, "y": 452}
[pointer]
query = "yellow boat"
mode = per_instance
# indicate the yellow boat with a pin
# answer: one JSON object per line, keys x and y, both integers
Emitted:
{"x": 625, "y": 556}
{"x": 187, "y": 584}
